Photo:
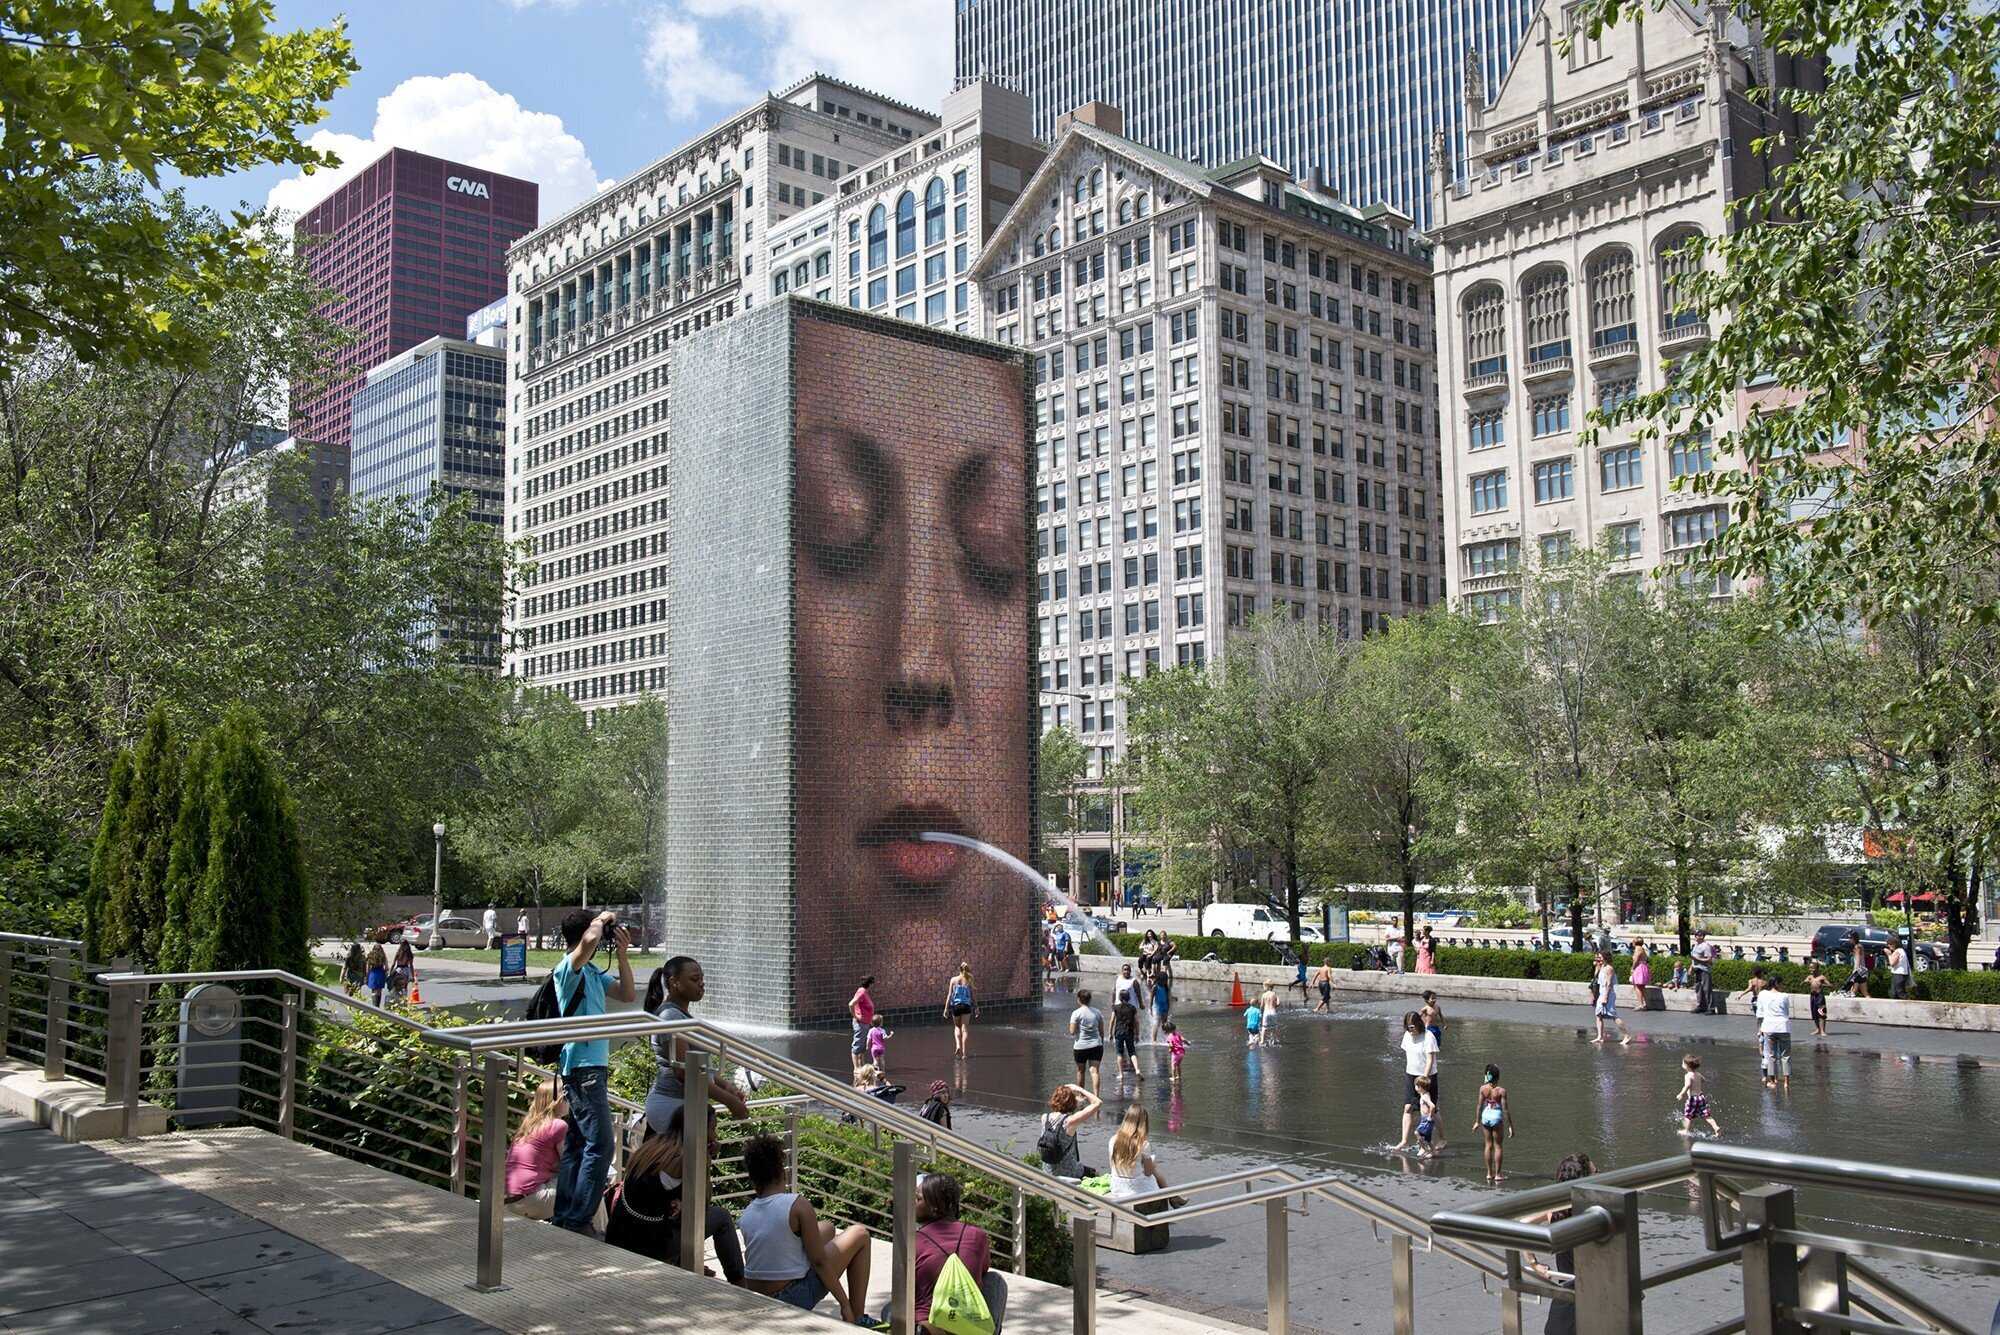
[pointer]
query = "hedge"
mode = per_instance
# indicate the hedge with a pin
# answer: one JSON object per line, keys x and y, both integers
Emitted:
{"x": 1730, "y": 975}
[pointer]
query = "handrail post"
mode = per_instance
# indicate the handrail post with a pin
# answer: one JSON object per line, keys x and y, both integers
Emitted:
{"x": 53, "y": 1036}
{"x": 903, "y": 1207}
{"x": 6, "y": 995}
{"x": 1020, "y": 1231}
{"x": 461, "y": 1120}
{"x": 1277, "y": 1265}
{"x": 694, "y": 1161}
{"x": 1823, "y": 1287}
{"x": 133, "y": 1010}
{"x": 288, "y": 1067}
{"x": 492, "y": 1170}
{"x": 1402, "y": 1284}
{"x": 1609, "y": 1296}
{"x": 791, "y": 1150}
{"x": 1510, "y": 1298}
{"x": 1083, "y": 1274}
{"x": 116, "y": 1038}
{"x": 1770, "y": 1268}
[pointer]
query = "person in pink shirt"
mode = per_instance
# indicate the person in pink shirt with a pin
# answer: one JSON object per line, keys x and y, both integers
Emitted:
{"x": 536, "y": 1154}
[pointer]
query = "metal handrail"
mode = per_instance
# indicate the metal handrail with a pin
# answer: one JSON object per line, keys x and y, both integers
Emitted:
{"x": 1271, "y": 1187}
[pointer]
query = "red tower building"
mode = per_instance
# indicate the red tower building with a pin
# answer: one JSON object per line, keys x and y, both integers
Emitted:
{"x": 413, "y": 244}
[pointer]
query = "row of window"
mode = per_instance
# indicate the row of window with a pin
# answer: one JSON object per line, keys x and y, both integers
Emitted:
{"x": 1545, "y": 305}
{"x": 1619, "y": 468}
{"x": 1682, "y": 532}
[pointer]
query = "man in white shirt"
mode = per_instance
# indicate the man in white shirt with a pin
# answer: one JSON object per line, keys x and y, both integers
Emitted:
{"x": 491, "y": 923}
{"x": 1899, "y": 969}
{"x": 1774, "y": 1028}
{"x": 1704, "y": 973}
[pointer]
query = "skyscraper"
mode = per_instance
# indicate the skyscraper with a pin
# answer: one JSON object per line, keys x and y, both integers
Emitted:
{"x": 412, "y": 245}
{"x": 1350, "y": 88}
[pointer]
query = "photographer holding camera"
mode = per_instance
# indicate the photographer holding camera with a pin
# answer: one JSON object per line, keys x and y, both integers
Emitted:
{"x": 581, "y": 989}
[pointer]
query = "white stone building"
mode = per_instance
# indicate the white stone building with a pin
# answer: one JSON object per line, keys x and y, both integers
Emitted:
{"x": 1555, "y": 268}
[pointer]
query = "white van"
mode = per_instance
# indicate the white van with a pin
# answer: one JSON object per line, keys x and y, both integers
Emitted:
{"x": 1251, "y": 922}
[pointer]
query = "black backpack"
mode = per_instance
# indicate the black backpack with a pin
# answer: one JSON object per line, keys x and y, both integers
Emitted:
{"x": 1055, "y": 1143}
{"x": 543, "y": 1006}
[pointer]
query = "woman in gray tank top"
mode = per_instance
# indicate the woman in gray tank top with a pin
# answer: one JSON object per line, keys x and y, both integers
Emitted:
{"x": 670, "y": 995}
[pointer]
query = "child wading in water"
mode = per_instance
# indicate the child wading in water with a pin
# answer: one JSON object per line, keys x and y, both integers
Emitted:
{"x": 1495, "y": 1119}
{"x": 1427, "y": 1112}
{"x": 1694, "y": 1101}
{"x": 1176, "y": 1048}
{"x": 1816, "y": 985}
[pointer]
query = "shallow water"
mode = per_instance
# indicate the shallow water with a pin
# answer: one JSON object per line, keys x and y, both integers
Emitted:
{"x": 1330, "y": 1093}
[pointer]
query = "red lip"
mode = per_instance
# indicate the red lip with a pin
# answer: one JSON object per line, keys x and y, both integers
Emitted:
{"x": 904, "y": 859}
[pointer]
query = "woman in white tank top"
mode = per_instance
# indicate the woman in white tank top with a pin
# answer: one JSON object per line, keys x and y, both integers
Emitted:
{"x": 788, "y": 1253}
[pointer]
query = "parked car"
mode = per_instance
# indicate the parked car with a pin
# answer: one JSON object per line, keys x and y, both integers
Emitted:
{"x": 1104, "y": 924}
{"x": 1830, "y": 946}
{"x": 454, "y": 932}
{"x": 1251, "y": 922}
{"x": 388, "y": 933}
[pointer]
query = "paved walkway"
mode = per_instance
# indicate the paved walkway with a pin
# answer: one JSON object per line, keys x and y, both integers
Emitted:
{"x": 94, "y": 1245}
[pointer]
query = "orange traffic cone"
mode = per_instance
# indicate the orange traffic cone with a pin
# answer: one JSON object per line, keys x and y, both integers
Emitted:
{"x": 416, "y": 990}
{"x": 1236, "y": 998}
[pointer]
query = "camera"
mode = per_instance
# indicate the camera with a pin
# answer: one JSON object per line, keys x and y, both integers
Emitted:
{"x": 608, "y": 939}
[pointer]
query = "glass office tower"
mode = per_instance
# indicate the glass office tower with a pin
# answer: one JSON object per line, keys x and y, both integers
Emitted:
{"x": 1351, "y": 89}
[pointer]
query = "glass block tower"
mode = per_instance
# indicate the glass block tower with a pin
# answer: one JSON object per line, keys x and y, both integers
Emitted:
{"x": 1348, "y": 89}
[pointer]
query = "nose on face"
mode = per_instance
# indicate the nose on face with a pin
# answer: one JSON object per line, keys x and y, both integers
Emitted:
{"x": 915, "y": 702}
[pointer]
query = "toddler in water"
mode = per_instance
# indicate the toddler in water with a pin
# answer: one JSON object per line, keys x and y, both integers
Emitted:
{"x": 878, "y": 1047}
{"x": 1427, "y": 1109}
{"x": 1176, "y": 1047}
{"x": 1253, "y": 1026}
{"x": 1694, "y": 1101}
{"x": 1496, "y": 1121}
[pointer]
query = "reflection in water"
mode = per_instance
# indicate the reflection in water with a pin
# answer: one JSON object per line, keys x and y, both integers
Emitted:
{"x": 1079, "y": 925}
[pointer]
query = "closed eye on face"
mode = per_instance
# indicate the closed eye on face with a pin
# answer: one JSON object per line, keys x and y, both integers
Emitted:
{"x": 987, "y": 549}
{"x": 835, "y": 547}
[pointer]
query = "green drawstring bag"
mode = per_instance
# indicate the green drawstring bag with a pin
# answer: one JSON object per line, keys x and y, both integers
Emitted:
{"x": 957, "y": 1305}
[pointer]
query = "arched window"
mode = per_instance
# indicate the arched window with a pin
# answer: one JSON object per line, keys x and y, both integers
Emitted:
{"x": 1545, "y": 308}
{"x": 878, "y": 237}
{"x": 1485, "y": 331}
{"x": 934, "y": 212}
{"x": 1675, "y": 264}
{"x": 1082, "y": 188}
{"x": 1055, "y": 238}
{"x": 1125, "y": 209}
{"x": 906, "y": 225}
{"x": 1611, "y": 303}
{"x": 1096, "y": 180}
{"x": 1035, "y": 247}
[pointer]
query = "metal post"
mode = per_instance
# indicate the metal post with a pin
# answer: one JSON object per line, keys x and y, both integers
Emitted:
{"x": 288, "y": 1067}
{"x": 1770, "y": 1268}
{"x": 694, "y": 1161}
{"x": 1823, "y": 1287}
{"x": 54, "y": 1033}
{"x": 1608, "y": 1293}
{"x": 116, "y": 1038}
{"x": 492, "y": 1171}
{"x": 128, "y": 1085}
{"x": 792, "y": 1150}
{"x": 6, "y": 996}
{"x": 1510, "y": 1309}
{"x": 1083, "y": 1275}
{"x": 1402, "y": 1285}
{"x": 1020, "y": 1231}
{"x": 461, "y": 1121}
{"x": 1277, "y": 1266}
{"x": 903, "y": 1206}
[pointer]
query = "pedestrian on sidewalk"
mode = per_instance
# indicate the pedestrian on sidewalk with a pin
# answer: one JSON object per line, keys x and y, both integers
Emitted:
{"x": 490, "y": 922}
{"x": 1704, "y": 974}
{"x": 378, "y": 973}
{"x": 1427, "y": 959}
{"x": 354, "y": 972}
{"x": 1642, "y": 972}
{"x": 402, "y": 972}
{"x": 1899, "y": 969}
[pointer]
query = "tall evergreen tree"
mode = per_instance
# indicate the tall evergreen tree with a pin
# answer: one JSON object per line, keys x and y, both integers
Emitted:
{"x": 187, "y": 861}
{"x": 136, "y": 909}
{"x": 250, "y": 905}
{"x": 105, "y": 867}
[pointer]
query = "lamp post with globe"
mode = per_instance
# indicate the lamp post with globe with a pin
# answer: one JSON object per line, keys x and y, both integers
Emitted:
{"x": 437, "y": 881}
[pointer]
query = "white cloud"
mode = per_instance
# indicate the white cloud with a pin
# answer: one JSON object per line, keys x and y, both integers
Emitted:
{"x": 465, "y": 119}
{"x": 698, "y": 51}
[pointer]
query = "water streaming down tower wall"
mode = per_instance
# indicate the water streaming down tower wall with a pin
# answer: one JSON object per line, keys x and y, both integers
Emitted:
{"x": 850, "y": 645}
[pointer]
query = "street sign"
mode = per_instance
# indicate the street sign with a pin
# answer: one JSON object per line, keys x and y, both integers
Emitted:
{"x": 514, "y": 957}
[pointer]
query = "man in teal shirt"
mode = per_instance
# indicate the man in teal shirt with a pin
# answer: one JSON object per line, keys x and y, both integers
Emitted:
{"x": 585, "y": 1066}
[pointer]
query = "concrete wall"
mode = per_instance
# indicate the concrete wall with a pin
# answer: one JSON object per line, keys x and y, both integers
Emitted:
{"x": 1199, "y": 984}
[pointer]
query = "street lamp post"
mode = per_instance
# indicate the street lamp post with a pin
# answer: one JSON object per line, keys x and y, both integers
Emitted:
{"x": 437, "y": 879}
{"x": 1076, "y": 810}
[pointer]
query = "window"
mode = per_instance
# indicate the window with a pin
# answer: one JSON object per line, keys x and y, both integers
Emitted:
{"x": 1690, "y": 454}
{"x": 1550, "y": 414}
{"x": 1489, "y": 491}
{"x": 934, "y": 212}
{"x": 1611, "y": 393}
{"x": 1619, "y": 468}
{"x": 1545, "y": 306}
{"x": 1486, "y": 430}
{"x": 1554, "y": 480}
{"x": 1609, "y": 277}
{"x": 906, "y": 224}
{"x": 1622, "y": 540}
{"x": 1676, "y": 265}
{"x": 1491, "y": 558}
{"x": 878, "y": 237}
{"x": 1691, "y": 528}
{"x": 1485, "y": 332}
{"x": 1555, "y": 548}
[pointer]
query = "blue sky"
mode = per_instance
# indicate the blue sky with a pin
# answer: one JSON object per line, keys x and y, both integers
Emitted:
{"x": 578, "y": 93}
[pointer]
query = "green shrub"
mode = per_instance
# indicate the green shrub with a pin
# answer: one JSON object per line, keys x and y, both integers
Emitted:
{"x": 1730, "y": 975}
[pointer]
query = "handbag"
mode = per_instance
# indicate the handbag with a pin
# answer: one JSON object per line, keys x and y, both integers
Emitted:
{"x": 957, "y": 1305}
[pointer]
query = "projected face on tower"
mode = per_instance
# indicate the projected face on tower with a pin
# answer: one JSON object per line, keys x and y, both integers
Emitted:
{"x": 913, "y": 695}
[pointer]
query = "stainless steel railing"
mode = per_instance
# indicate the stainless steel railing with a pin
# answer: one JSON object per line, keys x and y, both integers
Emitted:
{"x": 484, "y": 1060}
{"x": 52, "y": 1007}
{"x": 1792, "y": 1279}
